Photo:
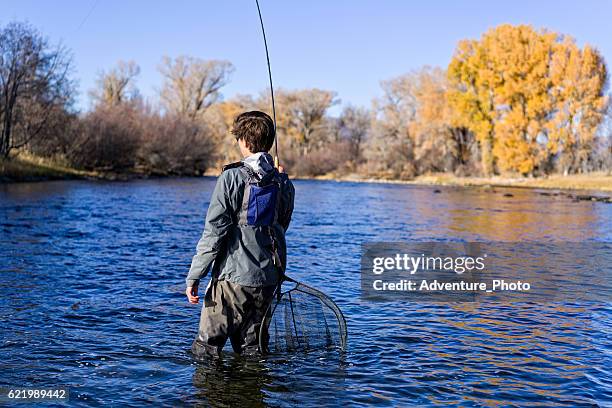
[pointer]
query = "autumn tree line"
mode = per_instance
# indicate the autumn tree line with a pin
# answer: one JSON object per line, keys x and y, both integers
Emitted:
{"x": 517, "y": 101}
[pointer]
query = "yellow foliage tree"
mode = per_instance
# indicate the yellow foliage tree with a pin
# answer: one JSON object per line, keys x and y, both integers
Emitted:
{"x": 579, "y": 77}
{"x": 471, "y": 98}
{"x": 529, "y": 97}
{"x": 435, "y": 147}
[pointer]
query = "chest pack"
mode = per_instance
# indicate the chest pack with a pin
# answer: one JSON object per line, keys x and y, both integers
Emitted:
{"x": 261, "y": 199}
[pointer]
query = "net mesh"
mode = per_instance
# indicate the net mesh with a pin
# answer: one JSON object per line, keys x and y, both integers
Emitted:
{"x": 303, "y": 319}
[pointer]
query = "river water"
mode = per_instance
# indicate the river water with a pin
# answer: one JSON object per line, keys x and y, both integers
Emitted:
{"x": 91, "y": 298}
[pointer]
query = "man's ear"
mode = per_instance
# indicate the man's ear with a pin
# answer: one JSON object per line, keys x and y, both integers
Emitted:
{"x": 243, "y": 148}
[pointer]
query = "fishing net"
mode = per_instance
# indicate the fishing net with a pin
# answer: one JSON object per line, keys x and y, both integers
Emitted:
{"x": 302, "y": 319}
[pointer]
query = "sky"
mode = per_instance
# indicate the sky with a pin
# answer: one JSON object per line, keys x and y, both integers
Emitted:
{"x": 344, "y": 46}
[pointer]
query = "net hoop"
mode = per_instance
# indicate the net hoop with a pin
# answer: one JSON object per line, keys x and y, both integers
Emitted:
{"x": 322, "y": 297}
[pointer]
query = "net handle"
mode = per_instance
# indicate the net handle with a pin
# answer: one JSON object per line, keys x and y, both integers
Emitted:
{"x": 265, "y": 324}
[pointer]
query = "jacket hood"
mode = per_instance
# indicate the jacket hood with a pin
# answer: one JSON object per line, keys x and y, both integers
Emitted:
{"x": 261, "y": 163}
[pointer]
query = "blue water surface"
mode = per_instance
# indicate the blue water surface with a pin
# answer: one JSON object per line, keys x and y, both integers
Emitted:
{"x": 91, "y": 298}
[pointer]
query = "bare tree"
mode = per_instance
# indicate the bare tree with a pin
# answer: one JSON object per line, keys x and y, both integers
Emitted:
{"x": 414, "y": 131}
{"x": 353, "y": 127}
{"x": 303, "y": 113}
{"x": 117, "y": 85}
{"x": 601, "y": 158}
{"x": 192, "y": 85}
{"x": 33, "y": 84}
{"x": 390, "y": 148}
{"x": 176, "y": 145}
{"x": 107, "y": 139}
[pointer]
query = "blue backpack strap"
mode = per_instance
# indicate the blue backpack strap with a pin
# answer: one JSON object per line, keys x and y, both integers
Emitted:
{"x": 249, "y": 175}
{"x": 278, "y": 181}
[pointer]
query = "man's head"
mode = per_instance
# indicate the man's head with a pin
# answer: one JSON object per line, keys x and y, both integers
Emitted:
{"x": 254, "y": 131}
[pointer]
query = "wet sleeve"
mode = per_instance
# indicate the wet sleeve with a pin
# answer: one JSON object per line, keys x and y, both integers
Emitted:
{"x": 216, "y": 227}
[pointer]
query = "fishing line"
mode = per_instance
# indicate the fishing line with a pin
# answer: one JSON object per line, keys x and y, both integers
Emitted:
{"x": 93, "y": 6}
{"x": 263, "y": 31}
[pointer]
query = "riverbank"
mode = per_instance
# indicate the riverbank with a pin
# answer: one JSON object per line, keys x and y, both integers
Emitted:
{"x": 597, "y": 181}
{"x": 29, "y": 168}
{"x": 25, "y": 168}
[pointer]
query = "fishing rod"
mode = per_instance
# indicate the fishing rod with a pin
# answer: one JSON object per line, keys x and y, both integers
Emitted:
{"x": 263, "y": 32}
{"x": 284, "y": 299}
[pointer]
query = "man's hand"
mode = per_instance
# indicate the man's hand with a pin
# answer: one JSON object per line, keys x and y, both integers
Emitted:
{"x": 192, "y": 294}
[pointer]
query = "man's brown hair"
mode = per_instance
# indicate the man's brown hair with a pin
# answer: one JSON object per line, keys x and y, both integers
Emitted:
{"x": 256, "y": 129}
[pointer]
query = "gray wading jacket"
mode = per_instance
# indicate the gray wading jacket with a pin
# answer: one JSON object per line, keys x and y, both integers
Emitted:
{"x": 241, "y": 254}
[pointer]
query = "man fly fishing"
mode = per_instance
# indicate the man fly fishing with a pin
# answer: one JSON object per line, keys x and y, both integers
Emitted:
{"x": 243, "y": 243}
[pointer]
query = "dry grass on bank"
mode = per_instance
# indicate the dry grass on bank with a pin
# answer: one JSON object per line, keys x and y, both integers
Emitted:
{"x": 598, "y": 181}
{"x": 26, "y": 167}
